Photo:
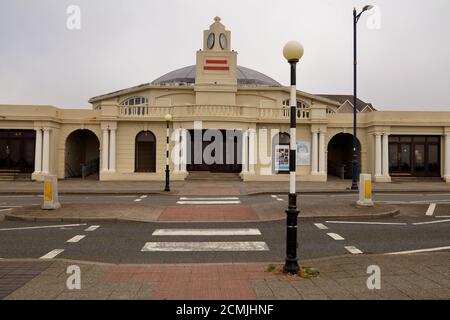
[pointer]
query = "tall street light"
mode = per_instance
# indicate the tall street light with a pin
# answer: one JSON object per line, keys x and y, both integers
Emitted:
{"x": 168, "y": 118}
{"x": 355, "y": 164}
{"x": 293, "y": 51}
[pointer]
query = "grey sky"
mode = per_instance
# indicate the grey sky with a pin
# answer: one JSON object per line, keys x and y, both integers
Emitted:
{"x": 405, "y": 65}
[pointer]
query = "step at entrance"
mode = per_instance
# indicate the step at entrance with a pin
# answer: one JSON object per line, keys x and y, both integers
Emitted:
{"x": 213, "y": 176}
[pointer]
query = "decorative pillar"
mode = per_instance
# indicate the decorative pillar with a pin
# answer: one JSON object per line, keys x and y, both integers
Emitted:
{"x": 252, "y": 151}
{"x": 184, "y": 146}
{"x": 38, "y": 152}
{"x": 244, "y": 159}
{"x": 378, "y": 155}
{"x": 46, "y": 152}
{"x": 322, "y": 153}
{"x": 314, "y": 153}
{"x": 105, "y": 150}
{"x": 112, "y": 150}
{"x": 447, "y": 158}
{"x": 385, "y": 155}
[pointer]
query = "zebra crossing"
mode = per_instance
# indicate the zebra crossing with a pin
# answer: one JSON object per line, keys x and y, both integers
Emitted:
{"x": 205, "y": 246}
{"x": 209, "y": 201}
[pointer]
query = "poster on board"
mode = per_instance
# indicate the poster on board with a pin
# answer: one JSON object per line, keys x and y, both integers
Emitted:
{"x": 303, "y": 153}
{"x": 282, "y": 158}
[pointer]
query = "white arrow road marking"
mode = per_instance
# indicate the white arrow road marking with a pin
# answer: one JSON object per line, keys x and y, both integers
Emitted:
{"x": 206, "y": 199}
{"x": 204, "y": 246}
{"x": 44, "y": 227}
{"x": 353, "y": 250}
{"x": 369, "y": 223}
{"x": 92, "y": 228}
{"x": 52, "y": 254}
{"x": 76, "y": 238}
{"x": 208, "y": 202}
{"x": 321, "y": 226}
{"x": 206, "y": 232}
{"x": 335, "y": 236}
{"x": 431, "y": 209}
{"x": 421, "y": 250}
{"x": 431, "y": 222}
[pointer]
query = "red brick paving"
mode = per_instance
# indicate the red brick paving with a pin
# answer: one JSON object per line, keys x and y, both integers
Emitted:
{"x": 194, "y": 282}
{"x": 208, "y": 213}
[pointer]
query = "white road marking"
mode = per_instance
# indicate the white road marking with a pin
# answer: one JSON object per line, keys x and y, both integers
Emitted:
{"x": 21, "y": 196}
{"x": 208, "y": 202}
{"x": 92, "y": 228}
{"x": 204, "y": 246}
{"x": 442, "y": 217}
{"x": 274, "y": 196}
{"x": 5, "y": 209}
{"x": 431, "y": 209}
{"x": 421, "y": 250}
{"x": 201, "y": 199}
{"x": 335, "y": 236}
{"x": 138, "y": 200}
{"x": 76, "y": 238}
{"x": 52, "y": 254}
{"x": 124, "y": 196}
{"x": 206, "y": 232}
{"x": 369, "y": 223}
{"x": 11, "y": 206}
{"x": 279, "y": 199}
{"x": 143, "y": 197}
{"x": 45, "y": 227}
{"x": 353, "y": 250}
{"x": 321, "y": 226}
{"x": 431, "y": 222}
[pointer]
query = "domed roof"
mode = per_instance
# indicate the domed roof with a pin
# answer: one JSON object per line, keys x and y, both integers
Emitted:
{"x": 245, "y": 76}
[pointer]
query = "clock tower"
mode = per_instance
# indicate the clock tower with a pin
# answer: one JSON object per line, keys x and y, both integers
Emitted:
{"x": 216, "y": 67}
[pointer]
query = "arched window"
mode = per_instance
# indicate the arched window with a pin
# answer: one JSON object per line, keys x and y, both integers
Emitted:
{"x": 145, "y": 154}
{"x": 280, "y": 153}
{"x": 302, "y": 108}
{"x": 139, "y": 104}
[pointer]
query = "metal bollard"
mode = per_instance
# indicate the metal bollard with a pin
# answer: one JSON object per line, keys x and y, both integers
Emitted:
{"x": 365, "y": 190}
{"x": 51, "y": 201}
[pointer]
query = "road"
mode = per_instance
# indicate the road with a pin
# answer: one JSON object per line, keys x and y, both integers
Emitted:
{"x": 246, "y": 242}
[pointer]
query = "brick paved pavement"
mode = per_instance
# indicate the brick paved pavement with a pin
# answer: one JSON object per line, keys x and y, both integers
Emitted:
{"x": 420, "y": 276}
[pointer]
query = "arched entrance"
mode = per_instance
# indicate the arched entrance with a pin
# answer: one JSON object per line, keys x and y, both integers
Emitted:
{"x": 280, "y": 153}
{"x": 82, "y": 157}
{"x": 340, "y": 153}
{"x": 145, "y": 154}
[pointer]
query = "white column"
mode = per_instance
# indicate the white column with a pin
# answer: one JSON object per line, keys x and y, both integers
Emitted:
{"x": 322, "y": 153}
{"x": 447, "y": 158}
{"x": 252, "y": 151}
{"x": 184, "y": 146}
{"x": 244, "y": 151}
{"x": 314, "y": 153}
{"x": 105, "y": 150}
{"x": 112, "y": 150}
{"x": 378, "y": 154}
{"x": 38, "y": 152}
{"x": 385, "y": 155}
{"x": 46, "y": 152}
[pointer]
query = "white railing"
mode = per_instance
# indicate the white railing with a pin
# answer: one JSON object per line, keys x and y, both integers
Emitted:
{"x": 143, "y": 111}
{"x": 283, "y": 113}
{"x": 218, "y": 111}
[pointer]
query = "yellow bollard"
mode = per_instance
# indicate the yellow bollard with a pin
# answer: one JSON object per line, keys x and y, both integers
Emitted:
{"x": 365, "y": 190}
{"x": 51, "y": 201}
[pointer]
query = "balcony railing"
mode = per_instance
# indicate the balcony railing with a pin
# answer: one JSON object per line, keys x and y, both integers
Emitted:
{"x": 196, "y": 111}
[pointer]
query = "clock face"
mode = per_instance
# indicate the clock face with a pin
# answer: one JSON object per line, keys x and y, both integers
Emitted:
{"x": 211, "y": 40}
{"x": 223, "y": 40}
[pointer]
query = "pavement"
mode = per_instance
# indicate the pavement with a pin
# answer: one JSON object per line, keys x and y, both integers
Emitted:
{"x": 405, "y": 277}
{"x": 221, "y": 188}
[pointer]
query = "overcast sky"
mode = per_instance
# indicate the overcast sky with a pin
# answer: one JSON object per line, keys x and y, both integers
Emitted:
{"x": 404, "y": 47}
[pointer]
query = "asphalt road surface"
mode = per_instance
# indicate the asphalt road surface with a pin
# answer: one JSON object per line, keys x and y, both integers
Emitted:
{"x": 245, "y": 242}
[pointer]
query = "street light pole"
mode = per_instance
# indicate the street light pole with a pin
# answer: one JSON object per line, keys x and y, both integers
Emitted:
{"x": 168, "y": 118}
{"x": 293, "y": 51}
{"x": 355, "y": 163}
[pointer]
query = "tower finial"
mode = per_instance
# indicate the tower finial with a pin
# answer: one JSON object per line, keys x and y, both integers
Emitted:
{"x": 217, "y": 19}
